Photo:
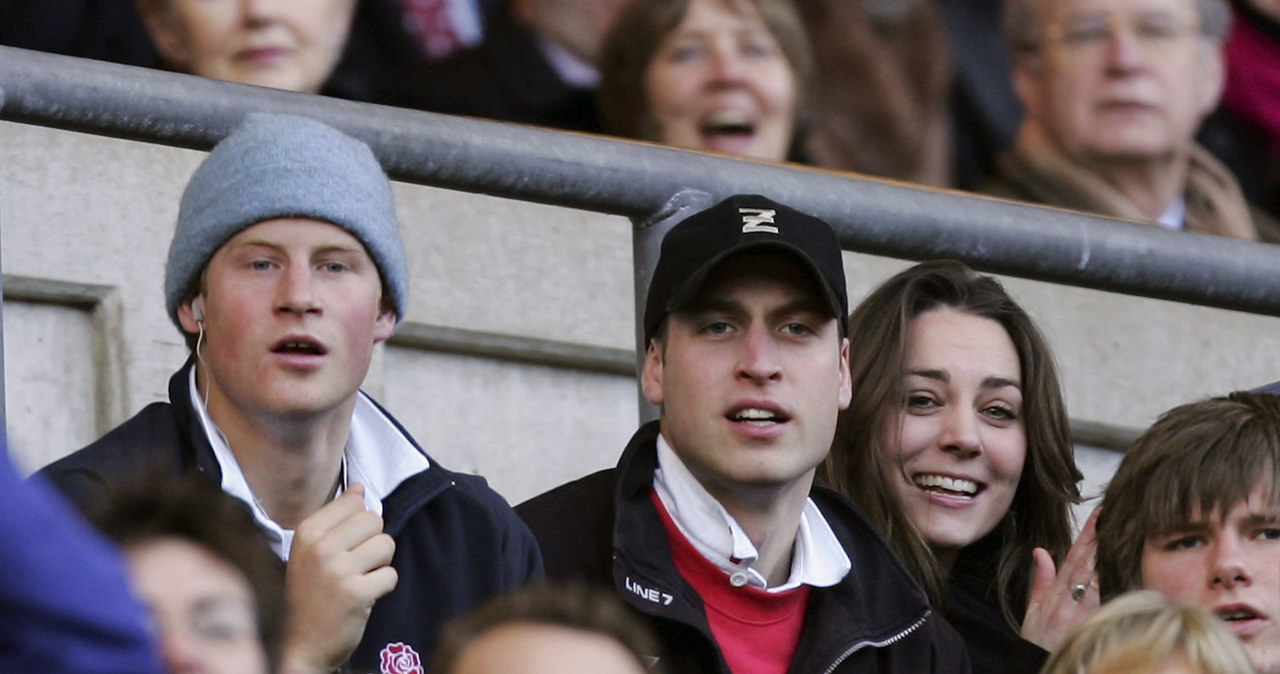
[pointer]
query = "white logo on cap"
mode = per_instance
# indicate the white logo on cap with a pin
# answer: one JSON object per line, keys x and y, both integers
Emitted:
{"x": 754, "y": 219}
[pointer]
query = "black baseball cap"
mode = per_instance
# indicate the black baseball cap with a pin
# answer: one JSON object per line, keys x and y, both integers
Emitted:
{"x": 742, "y": 223}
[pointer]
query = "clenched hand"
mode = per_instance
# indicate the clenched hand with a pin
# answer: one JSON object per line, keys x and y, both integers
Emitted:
{"x": 339, "y": 566}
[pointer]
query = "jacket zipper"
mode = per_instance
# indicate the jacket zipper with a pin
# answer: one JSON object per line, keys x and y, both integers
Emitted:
{"x": 893, "y": 639}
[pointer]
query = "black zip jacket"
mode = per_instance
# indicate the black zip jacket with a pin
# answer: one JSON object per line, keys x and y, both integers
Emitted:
{"x": 604, "y": 529}
{"x": 458, "y": 543}
{"x": 972, "y": 606}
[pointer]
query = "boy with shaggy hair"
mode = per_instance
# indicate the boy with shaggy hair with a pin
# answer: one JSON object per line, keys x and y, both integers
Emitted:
{"x": 1194, "y": 513}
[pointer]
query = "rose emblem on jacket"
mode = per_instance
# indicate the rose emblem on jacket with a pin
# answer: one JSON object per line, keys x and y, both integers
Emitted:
{"x": 400, "y": 658}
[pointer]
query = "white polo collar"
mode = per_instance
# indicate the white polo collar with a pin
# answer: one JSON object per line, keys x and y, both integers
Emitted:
{"x": 377, "y": 455}
{"x": 817, "y": 559}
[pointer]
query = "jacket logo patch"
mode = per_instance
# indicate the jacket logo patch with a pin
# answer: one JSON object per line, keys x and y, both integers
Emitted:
{"x": 647, "y": 593}
{"x": 758, "y": 220}
{"x": 400, "y": 658}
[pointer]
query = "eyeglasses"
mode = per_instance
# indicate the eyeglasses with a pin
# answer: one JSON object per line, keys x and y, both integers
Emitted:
{"x": 1154, "y": 32}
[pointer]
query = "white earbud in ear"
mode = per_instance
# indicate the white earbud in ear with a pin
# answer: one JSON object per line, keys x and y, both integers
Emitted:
{"x": 197, "y": 309}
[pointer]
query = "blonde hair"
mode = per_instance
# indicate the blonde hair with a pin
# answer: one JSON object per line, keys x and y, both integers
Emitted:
{"x": 1142, "y": 631}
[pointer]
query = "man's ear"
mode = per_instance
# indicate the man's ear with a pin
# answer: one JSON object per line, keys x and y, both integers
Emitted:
{"x": 1212, "y": 78}
{"x": 187, "y": 316}
{"x": 1026, "y": 83}
{"x": 169, "y": 36}
{"x": 651, "y": 375}
{"x": 846, "y": 379}
{"x": 385, "y": 323}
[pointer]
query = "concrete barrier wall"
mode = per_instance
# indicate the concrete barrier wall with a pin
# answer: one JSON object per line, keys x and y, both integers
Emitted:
{"x": 85, "y": 223}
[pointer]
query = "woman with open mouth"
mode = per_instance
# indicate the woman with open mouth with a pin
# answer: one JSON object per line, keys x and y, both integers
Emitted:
{"x": 956, "y": 445}
{"x": 712, "y": 75}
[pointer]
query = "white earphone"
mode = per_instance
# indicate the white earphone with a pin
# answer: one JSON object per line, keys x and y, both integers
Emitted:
{"x": 197, "y": 312}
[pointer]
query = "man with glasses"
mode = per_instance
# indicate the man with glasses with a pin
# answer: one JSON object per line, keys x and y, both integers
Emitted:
{"x": 1114, "y": 91}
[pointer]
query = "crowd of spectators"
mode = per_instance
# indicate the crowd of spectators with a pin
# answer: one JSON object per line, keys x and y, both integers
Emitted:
{"x": 1091, "y": 106}
{"x": 273, "y": 518}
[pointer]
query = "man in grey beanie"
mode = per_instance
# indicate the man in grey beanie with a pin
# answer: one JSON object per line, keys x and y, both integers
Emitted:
{"x": 286, "y": 268}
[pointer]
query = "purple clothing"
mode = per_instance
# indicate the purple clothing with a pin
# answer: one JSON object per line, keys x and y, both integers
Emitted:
{"x": 65, "y": 605}
{"x": 1273, "y": 388}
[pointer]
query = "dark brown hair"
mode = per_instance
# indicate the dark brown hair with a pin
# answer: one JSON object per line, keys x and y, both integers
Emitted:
{"x": 637, "y": 33}
{"x": 191, "y": 508}
{"x": 1039, "y": 515}
{"x": 573, "y": 605}
{"x": 1199, "y": 458}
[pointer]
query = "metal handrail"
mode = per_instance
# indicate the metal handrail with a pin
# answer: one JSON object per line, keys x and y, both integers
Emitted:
{"x": 635, "y": 180}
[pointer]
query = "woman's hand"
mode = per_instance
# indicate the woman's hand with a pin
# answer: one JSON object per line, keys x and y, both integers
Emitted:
{"x": 1060, "y": 599}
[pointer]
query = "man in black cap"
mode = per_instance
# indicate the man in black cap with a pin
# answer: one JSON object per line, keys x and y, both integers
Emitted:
{"x": 711, "y": 524}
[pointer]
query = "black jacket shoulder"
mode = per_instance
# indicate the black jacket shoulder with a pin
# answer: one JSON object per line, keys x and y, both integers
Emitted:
{"x": 574, "y": 527}
{"x": 149, "y": 443}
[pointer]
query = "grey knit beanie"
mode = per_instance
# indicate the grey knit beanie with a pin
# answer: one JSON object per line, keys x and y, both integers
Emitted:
{"x": 279, "y": 166}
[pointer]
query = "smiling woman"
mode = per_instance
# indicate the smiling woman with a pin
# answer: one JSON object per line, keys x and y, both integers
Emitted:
{"x": 717, "y": 75}
{"x": 284, "y": 44}
{"x": 960, "y": 440}
{"x": 956, "y": 445}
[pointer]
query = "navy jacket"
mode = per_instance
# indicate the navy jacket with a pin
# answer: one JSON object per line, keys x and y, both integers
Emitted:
{"x": 457, "y": 541}
{"x": 604, "y": 529}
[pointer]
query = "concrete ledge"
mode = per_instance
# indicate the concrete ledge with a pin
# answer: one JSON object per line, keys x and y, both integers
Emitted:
{"x": 514, "y": 348}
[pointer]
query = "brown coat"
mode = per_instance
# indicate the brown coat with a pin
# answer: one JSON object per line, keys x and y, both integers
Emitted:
{"x": 1035, "y": 172}
{"x": 881, "y": 88}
